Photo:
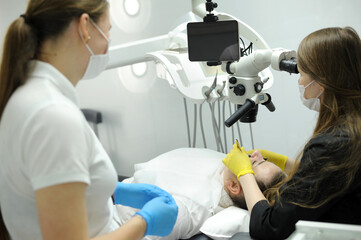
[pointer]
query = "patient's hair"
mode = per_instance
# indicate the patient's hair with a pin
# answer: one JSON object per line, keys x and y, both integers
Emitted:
{"x": 43, "y": 20}
{"x": 240, "y": 201}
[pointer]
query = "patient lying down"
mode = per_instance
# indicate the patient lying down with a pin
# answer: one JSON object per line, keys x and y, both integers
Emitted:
{"x": 267, "y": 175}
{"x": 199, "y": 183}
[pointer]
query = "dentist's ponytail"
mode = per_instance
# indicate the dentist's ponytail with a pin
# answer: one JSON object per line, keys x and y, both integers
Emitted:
{"x": 19, "y": 47}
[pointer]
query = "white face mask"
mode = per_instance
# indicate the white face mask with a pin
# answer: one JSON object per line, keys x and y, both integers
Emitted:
{"x": 312, "y": 103}
{"x": 97, "y": 63}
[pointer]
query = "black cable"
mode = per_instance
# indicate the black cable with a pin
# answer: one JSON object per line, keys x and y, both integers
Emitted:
{"x": 244, "y": 46}
{"x": 249, "y": 49}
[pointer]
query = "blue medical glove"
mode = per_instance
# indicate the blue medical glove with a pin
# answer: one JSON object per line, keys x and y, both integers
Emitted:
{"x": 137, "y": 194}
{"x": 160, "y": 214}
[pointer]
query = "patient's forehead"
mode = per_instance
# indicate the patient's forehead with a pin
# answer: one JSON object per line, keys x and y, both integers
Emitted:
{"x": 265, "y": 171}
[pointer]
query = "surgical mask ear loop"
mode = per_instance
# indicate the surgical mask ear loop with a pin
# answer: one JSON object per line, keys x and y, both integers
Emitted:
{"x": 100, "y": 31}
{"x": 98, "y": 28}
{"x": 85, "y": 43}
{"x": 309, "y": 85}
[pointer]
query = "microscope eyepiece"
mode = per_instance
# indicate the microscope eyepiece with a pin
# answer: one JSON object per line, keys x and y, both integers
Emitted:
{"x": 289, "y": 65}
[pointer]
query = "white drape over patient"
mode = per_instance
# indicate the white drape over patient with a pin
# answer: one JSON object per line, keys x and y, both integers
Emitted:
{"x": 194, "y": 178}
{"x": 192, "y": 173}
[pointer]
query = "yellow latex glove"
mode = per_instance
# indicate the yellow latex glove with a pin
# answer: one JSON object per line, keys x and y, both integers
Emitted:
{"x": 276, "y": 158}
{"x": 237, "y": 161}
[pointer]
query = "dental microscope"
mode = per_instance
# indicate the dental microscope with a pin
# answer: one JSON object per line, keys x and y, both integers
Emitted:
{"x": 218, "y": 43}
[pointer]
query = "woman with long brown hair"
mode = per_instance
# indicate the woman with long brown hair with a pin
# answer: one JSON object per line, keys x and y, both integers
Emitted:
{"x": 325, "y": 183}
{"x": 56, "y": 180}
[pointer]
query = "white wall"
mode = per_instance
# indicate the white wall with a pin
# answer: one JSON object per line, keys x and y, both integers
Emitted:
{"x": 147, "y": 119}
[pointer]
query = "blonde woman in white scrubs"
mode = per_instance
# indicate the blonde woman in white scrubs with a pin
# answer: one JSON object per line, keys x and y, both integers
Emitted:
{"x": 56, "y": 180}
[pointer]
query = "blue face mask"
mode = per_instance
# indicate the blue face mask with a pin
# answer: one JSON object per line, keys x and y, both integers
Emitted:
{"x": 312, "y": 103}
{"x": 97, "y": 63}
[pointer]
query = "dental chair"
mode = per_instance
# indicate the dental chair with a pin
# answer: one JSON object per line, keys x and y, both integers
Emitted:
{"x": 200, "y": 236}
{"x": 241, "y": 236}
{"x": 237, "y": 236}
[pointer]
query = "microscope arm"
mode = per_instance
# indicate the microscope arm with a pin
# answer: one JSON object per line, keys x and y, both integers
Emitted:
{"x": 135, "y": 52}
{"x": 199, "y": 9}
{"x": 250, "y": 66}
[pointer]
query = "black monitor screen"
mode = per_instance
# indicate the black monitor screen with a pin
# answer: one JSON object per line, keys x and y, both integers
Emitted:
{"x": 213, "y": 41}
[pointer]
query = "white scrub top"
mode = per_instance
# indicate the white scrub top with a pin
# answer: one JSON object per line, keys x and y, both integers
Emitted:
{"x": 44, "y": 141}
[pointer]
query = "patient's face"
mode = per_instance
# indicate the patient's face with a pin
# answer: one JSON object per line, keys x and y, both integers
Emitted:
{"x": 265, "y": 173}
{"x": 263, "y": 170}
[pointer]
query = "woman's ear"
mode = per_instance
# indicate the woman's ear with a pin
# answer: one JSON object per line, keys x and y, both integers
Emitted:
{"x": 84, "y": 22}
{"x": 233, "y": 186}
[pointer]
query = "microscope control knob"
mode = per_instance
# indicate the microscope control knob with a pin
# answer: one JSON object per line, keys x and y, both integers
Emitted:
{"x": 233, "y": 80}
{"x": 239, "y": 90}
{"x": 258, "y": 86}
